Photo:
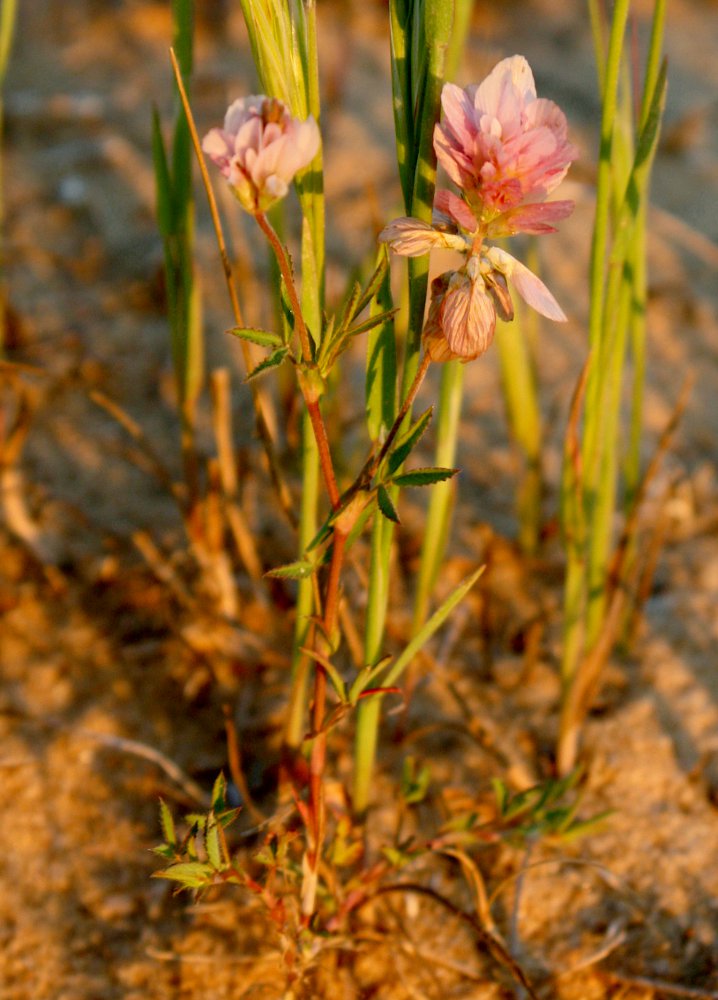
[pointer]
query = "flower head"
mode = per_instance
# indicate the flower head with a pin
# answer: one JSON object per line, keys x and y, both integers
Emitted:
{"x": 260, "y": 149}
{"x": 465, "y": 304}
{"x": 506, "y": 149}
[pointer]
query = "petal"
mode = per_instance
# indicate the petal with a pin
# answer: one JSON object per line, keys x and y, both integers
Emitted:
{"x": 458, "y": 114}
{"x": 527, "y": 284}
{"x": 447, "y": 155}
{"x": 241, "y": 110}
{"x": 506, "y": 91}
{"x": 218, "y": 145}
{"x": 468, "y": 317}
{"x": 534, "y": 219}
{"x": 412, "y": 237}
{"x": 456, "y": 208}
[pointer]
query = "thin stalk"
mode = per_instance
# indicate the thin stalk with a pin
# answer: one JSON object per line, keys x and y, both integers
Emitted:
{"x": 317, "y": 761}
{"x": 575, "y": 597}
{"x": 438, "y": 523}
{"x": 307, "y": 385}
{"x": 368, "y": 714}
{"x": 442, "y": 496}
{"x": 263, "y": 411}
{"x": 424, "y": 37}
{"x": 301, "y": 664}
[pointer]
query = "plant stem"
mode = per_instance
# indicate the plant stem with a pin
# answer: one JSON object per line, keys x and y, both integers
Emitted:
{"x": 367, "y": 730}
{"x": 324, "y": 643}
{"x": 310, "y": 391}
{"x": 264, "y": 416}
{"x": 285, "y": 269}
{"x": 439, "y": 514}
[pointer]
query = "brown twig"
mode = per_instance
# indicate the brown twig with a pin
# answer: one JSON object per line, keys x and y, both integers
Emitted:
{"x": 234, "y": 760}
{"x": 493, "y": 945}
{"x": 661, "y": 985}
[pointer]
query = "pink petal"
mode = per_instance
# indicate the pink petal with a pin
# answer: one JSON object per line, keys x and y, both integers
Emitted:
{"x": 534, "y": 219}
{"x": 456, "y": 208}
{"x": 458, "y": 114}
{"x": 446, "y": 155}
{"x": 507, "y": 89}
{"x": 217, "y": 144}
{"x": 468, "y": 317}
{"x": 240, "y": 110}
{"x": 527, "y": 284}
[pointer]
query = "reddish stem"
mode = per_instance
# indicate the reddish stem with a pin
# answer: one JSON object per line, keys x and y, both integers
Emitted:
{"x": 309, "y": 390}
{"x": 285, "y": 269}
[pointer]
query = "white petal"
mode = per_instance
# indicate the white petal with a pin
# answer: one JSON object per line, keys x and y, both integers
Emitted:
{"x": 527, "y": 284}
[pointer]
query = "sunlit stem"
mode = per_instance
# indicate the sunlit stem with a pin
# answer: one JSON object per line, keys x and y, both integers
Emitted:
{"x": 301, "y": 664}
{"x": 368, "y": 715}
{"x": 309, "y": 391}
{"x": 438, "y": 519}
{"x": 576, "y": 592}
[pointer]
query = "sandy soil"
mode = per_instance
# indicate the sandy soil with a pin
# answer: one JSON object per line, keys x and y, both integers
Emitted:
{"x": 103, "y": 639}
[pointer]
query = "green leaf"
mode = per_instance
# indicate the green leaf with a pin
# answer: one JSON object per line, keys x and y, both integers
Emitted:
{"x": 408, "y": 441}
{"x": 426, "y": 631}
{"x": 265, "y": 338}
{"x": 163, "y": 180}
{"x": 165, "y": 851}
{"x": 273, "y": 361}
{"x": 212, "y": 843}
{"x": 502, "y": 794}
{"x": 376, "y": 282}
{"x": 190, "y": 874}
{"x": 167, "y": 823}
{"x": 414, "y": 781}
{"x": 423, "y": 477}
{"x": 349, "y": 309}
{"x": 299, "y": 570}
{"x": 219, "y": 793}
{"x": 372, "y": 321}
{"x": 365, "y": 678}
{"x": 386, "y": 506}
